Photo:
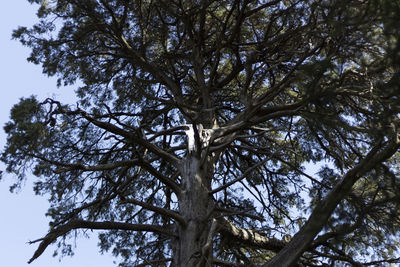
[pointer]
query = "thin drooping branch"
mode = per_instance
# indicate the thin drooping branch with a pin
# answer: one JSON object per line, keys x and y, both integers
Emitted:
{"x": 303, "y": 239}
{"x": 81, "y": 224}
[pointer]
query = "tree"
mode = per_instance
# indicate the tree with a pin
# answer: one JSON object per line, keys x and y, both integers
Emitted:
{"x": 196, "y": 121}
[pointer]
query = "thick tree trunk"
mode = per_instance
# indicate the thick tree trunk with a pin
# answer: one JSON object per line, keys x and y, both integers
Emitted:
{"x": 192, "y": 247}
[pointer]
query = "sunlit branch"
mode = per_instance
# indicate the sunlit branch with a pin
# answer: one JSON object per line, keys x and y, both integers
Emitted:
{"x": 249, "y": 237}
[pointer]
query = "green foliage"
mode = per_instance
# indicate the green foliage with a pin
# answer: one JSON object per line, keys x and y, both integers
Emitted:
{"x": 27, "y": 135}
{"x": 278, "y": 85}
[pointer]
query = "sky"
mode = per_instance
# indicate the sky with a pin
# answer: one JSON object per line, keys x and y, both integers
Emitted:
{"x": 23, "y": 214}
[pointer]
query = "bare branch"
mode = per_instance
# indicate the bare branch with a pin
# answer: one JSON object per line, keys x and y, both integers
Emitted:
{"x": 172, "y": 214}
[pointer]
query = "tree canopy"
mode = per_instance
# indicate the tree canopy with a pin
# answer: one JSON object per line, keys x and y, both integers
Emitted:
{"x": 197, "y": 121}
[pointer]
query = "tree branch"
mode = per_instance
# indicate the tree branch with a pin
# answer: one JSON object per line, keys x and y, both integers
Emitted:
{"x": 151, "y": 68}
{"x": 169, "y": 182}
{"x": 100, "y": 167}
{"x": 174, "y": 215}
{"x": 339, "y": 231}
{"x": 81, "y": 224}
{"x": 249, "y": 237}
{"x": 249, "y": 170}
{"x": 303, "y": 239}
{"x": 128, "y": 135}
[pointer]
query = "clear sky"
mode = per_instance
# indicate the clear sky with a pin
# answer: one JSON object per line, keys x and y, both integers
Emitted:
{"x": 22, "y": 215}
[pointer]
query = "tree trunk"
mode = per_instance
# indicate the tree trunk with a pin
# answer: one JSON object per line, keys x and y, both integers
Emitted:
{"x": 195, "y": 205}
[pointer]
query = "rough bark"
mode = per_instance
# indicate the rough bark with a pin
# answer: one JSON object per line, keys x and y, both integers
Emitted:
{"x": 194, "y": 245}
{"x": 249, "y": 237}
{"x": 195, "y": 207}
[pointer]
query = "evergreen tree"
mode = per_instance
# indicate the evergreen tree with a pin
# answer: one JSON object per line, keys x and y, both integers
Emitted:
{"x": 196, "y": 121}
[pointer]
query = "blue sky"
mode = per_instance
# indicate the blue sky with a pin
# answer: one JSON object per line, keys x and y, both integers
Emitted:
{"x": 22, "y": 214}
